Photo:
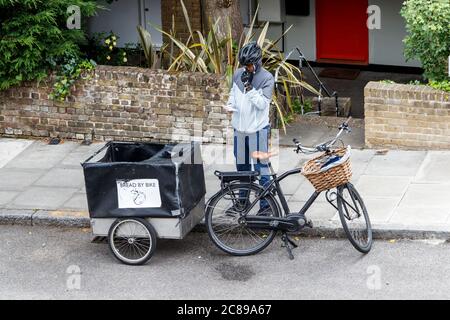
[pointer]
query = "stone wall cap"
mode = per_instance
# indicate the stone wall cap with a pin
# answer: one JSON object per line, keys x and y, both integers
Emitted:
{"x": 401, "y": 87}
{"x": 138, "y": 70}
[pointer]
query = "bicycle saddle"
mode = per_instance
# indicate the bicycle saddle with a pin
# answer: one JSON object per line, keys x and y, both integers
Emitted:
{"x": 263, "y": 155}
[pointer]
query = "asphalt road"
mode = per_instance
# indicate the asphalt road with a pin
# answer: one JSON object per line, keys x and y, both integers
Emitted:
{"x": 55, "y": 263}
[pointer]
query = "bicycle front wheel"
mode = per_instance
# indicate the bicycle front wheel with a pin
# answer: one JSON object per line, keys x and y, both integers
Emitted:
{"x": 222, "y": 220}
{"x": 354, "y": 217}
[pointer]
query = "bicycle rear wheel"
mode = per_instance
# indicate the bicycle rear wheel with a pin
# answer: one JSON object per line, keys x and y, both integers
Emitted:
{"x": 222, "y": 220}
{"x": 354, "y": 217}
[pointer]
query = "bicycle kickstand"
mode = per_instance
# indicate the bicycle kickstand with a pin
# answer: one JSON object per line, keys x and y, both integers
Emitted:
{"x": 289, "y": 244}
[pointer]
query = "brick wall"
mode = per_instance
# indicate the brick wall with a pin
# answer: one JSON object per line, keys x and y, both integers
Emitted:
{"x": 121, "y": 103}
{"x": 406, "y": 116}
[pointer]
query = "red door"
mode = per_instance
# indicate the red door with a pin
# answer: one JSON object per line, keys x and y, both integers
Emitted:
{"x": 342, "y": 33}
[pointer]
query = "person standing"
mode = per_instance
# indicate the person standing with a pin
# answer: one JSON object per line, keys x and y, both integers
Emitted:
{"x": 249, "y": 100}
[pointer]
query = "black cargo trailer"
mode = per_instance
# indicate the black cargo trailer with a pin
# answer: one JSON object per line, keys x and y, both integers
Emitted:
{"x": 138, "y": 192}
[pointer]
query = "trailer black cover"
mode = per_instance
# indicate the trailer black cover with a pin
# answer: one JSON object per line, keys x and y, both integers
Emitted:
{"x": 138, "y": 179}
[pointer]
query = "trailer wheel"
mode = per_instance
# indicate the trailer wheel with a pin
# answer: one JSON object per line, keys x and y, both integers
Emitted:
{"x": 132, "y": 240}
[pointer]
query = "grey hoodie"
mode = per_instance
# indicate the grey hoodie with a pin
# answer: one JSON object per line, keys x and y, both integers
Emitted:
{"x": 252, "y": 107}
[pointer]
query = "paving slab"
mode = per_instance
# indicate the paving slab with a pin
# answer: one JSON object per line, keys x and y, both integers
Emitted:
{"x": 42, "y": 198}
{"x": 62, "y": 177}
{"x": 435, "y": 196}
{"x": 40, "y": 155}
{"x": 307, "y": 134}
{"x": 382, "y": 186}
{"x": 217, "y": 155}
{"x": 209, "y": 172}
{"x": 79, "y": 154}
{"x": 380, "y": 210}
{"x": 318, "y": 211}
{"x": 304, "y": 192}
{"x": 396, "y": 163}
{"x": 77, "y": 202}
{"x": 10, "y": 148}
{"x": 360, "y": 160}
{"x": 414, "y": 216}
{"x": 7, "y": 196}
{"x": 435, "y": 168}
{"x": 311, "y": 130}
{"x": 18, "y": 179}
{"x": 291, "y": 184}
{"x": 212, "y": 186}
{"x": 286, "y": 159}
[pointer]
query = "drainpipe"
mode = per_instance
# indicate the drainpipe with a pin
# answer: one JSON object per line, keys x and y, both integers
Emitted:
{"x": 141, "y": 13}
{"x": 250, "y": 18}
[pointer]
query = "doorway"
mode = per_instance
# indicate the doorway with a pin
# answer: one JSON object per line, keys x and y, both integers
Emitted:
{"x": 341, "y": 31}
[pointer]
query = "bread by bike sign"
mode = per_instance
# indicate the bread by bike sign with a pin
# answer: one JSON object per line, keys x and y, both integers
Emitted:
{"x": 138, "y": 193}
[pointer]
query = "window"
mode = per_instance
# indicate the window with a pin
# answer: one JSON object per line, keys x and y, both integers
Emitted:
{"x": 297, "y": 7}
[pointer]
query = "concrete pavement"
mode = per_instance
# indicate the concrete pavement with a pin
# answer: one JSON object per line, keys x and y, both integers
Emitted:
{"x": 406, "y": 192}
{"x": 313, "y": 129}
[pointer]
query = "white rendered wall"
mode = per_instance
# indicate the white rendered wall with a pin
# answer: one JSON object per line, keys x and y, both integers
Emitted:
{"x": 385, "y": 44}
{"x": 123, "y": 16}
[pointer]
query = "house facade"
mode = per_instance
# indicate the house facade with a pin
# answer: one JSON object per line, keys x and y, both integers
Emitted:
{"x": 362, "y": 32}
{"x": 122, "y": 17}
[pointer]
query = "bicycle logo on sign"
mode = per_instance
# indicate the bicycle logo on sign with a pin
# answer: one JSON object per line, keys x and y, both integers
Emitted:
{"x": 138, "y": 197}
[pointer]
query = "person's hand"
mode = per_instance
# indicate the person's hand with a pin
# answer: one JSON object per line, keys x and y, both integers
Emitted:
{"x": 247, "y": 78}
{"x": 229, "y": 108}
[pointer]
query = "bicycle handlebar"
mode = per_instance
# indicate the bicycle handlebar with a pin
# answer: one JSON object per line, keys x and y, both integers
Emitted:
{"x": 325, "y": 146}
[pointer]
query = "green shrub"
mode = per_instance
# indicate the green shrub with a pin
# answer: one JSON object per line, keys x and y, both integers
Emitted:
{"x": 34, "y": 37}
{"x": 427, "y": 22}
{"x": 440, "y": 85}
{"x": 103, "y": 49}
{"x": 302, "y": 108}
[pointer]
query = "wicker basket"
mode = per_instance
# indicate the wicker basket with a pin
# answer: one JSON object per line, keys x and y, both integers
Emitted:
{"x": 331, "y": 178}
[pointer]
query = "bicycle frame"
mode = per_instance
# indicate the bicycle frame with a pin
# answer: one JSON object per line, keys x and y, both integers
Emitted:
{"x": 275, "y": 185}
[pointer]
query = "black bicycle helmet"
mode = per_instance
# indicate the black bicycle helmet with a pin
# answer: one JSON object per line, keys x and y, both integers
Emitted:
{"x": 251, "y": 53}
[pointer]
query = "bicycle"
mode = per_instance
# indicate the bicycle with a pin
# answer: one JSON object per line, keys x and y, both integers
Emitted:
{"x": 236, "y": 226}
